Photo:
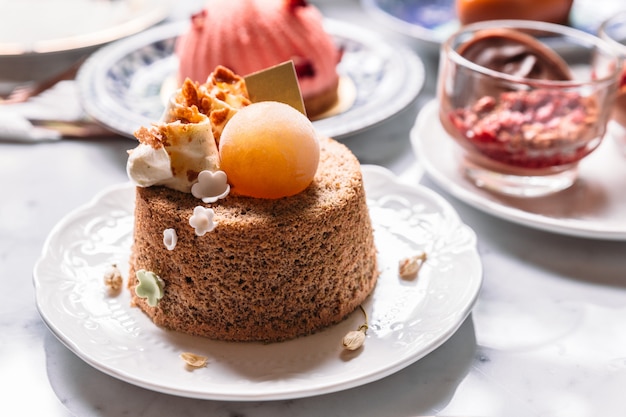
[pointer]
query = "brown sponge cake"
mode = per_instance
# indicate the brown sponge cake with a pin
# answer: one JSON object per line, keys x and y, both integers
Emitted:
{"x": 272, "y": 269}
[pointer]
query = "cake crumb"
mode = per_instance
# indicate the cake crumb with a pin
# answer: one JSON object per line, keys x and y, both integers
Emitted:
{"x": 410, "y": 266}
{"x": 113, "y": 279}
{"x": 194, "y": 360}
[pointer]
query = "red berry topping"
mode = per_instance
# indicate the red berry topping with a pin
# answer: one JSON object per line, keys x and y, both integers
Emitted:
{"x": 530, "y": 129}
{"x": 197, "y": 19}
{"x": 294, "y": 4}
{"x": 304, "y": 67}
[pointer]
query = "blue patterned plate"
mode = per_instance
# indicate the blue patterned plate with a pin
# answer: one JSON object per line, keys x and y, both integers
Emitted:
{"x": 432, "y": 21}
{"x": 122, "y": 85}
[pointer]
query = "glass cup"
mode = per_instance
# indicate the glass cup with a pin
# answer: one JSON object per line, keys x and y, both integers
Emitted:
{"x": 613, "y": 30}
{"x": 526, "y": 101}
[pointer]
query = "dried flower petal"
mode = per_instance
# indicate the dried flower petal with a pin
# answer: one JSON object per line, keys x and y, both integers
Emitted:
{"x": 194, "y": 360}
{"x": 353, "y": 340}
{"x": 113, "y": 279}
{"x": 410, "y": 266}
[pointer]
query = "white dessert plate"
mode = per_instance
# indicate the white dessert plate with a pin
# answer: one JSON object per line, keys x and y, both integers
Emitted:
{"x": 594, "y": 207}
{"x": 52, "y": 26}
{"x": 407, "y": 318}
{"x": 432, "y": 21}
{"x": 121, "y": 84}
{"x": 39, "y": 39}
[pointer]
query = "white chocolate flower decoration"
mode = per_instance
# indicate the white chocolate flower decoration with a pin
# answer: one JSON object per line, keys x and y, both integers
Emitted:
{"x": 211, "y": 186}
{"x": 202, "y": 220}
{"x": 170, "y": 238}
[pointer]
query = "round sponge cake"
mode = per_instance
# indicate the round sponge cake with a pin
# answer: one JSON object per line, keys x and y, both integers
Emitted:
{"x": 272, "y": 269}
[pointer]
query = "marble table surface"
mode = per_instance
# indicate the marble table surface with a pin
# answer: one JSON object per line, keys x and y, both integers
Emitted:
{"x": 546, "y": 337}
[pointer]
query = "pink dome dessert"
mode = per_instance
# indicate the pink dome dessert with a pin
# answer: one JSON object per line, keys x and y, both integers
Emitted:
{"x": 251, "y": 35}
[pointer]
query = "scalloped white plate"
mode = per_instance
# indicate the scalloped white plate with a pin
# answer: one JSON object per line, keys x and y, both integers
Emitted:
{"x": 121, "y": 84}
{"x": 594, "y": 207}
{"x": 408, "y": 318}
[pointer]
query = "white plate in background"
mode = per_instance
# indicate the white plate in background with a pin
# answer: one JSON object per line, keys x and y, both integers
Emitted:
{"x": 40, "y": 39}
{"x": 594, "y": 207}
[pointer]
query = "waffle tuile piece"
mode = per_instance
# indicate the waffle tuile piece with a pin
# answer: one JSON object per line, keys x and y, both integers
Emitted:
{"x": 219, "y": 98}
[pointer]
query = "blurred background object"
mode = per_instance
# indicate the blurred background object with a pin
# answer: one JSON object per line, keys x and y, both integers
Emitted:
{"x": 430, "y": 22}
{"x": 613, "y": 30}
{"x": 41, "y": 39}
{"x": 552, "y": 11}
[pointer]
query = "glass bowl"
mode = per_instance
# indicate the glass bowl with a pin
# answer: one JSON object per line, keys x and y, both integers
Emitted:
{"x": 526, "y": 101}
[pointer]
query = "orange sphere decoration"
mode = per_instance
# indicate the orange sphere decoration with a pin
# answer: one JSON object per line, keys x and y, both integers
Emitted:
{"x": 269, "y": 150}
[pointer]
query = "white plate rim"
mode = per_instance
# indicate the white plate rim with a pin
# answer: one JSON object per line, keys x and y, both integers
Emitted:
{"x": 467, "y": 193}
{"x": 378, "y": 177}
{"x": 157, "y": 11}
{"x": 408, "y": 80}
